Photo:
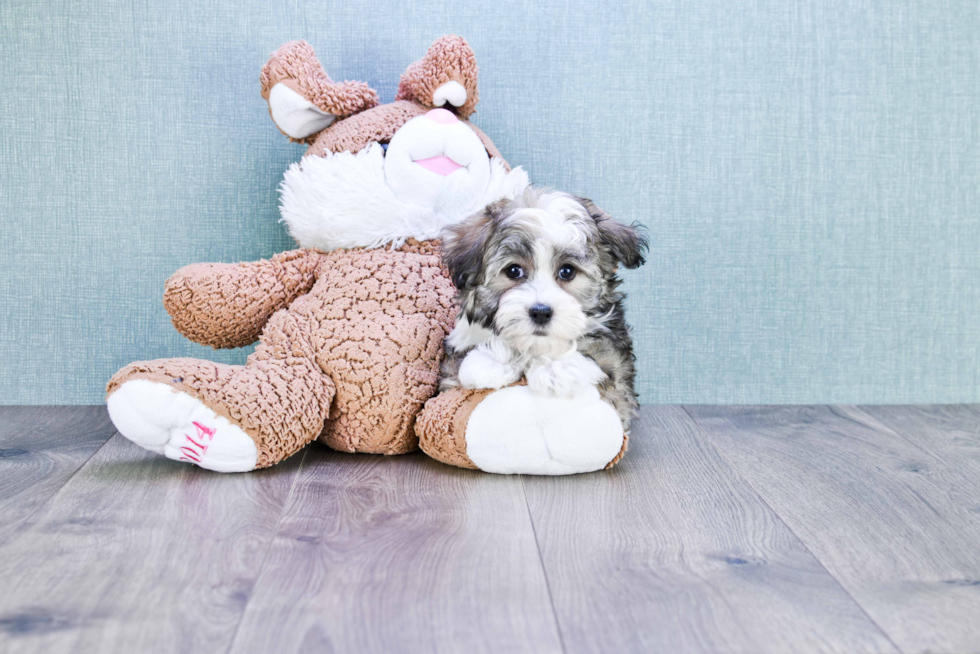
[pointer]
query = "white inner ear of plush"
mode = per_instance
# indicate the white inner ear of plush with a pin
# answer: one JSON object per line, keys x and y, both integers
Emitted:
{"x": 451, "y": 92}
{"x": 342, "y": 200}
{"x": 294, "y": 114}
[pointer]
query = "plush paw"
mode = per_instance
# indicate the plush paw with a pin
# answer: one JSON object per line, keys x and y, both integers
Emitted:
{"x": 483, "y": 367}
{"x": 179, "y": 426}
{"x": 566, "y": 376}
{"x": 517, "y": 431}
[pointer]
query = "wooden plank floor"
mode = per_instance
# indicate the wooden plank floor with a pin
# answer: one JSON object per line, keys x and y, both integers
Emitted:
{"x": 725, "y": 529}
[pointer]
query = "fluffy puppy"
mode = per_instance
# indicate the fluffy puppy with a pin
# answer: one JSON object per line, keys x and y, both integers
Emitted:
{"x": 537, "y": 294}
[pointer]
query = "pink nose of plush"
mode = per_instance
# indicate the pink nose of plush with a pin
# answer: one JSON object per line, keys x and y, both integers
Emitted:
{"x": 442, "y": 116}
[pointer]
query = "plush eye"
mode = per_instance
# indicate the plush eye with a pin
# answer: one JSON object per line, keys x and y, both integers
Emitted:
{"x": 566, "y": 273}
{"x": 514, "y": 271}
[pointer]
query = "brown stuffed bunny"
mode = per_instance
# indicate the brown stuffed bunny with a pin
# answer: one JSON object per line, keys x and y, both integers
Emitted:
{"x": 350, "y": 333}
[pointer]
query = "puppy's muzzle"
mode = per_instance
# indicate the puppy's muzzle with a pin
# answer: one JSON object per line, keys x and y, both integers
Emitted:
{"x": 540, "y": 314}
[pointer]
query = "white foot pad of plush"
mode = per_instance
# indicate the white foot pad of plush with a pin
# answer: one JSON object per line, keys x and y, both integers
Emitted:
{"x": 517, "y": 431}
{"x": 180, "y": 427}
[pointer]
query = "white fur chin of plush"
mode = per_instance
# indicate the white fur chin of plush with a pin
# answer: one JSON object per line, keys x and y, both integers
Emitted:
{"x": 341, "y": 200}
{"x": 517, "y": 431}
{"x": 164, "y": 420}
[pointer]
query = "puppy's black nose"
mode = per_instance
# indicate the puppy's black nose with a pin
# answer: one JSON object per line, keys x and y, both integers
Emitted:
{"x": 540, "y": 314}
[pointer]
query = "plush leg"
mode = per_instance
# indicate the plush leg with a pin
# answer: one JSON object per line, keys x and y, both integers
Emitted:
{"x": 514, "y": 430}
{"x": 441, "y": 426}
{"x": 385, "y": 369}
{"x": 226, "y": 418}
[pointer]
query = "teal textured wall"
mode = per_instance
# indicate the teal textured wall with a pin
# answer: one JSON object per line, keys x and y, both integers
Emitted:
{"x": 809, "y": 172}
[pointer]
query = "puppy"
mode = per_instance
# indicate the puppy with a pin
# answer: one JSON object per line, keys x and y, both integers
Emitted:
{"x": 537, "y": 294}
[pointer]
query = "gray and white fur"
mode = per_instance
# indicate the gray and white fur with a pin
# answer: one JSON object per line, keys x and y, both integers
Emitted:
{"x": 538, "y": 298}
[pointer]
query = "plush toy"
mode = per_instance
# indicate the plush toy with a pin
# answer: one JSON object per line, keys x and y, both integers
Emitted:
{"x": 350, "y": 333}
{"x": 350, "y": 326}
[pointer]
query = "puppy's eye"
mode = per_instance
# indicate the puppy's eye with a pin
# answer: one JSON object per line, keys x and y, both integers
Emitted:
{"x": 514, "y": 271}
{"x": 566, "y": 273}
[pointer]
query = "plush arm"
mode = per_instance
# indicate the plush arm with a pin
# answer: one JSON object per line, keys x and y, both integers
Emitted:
{"x": 227, "y": 304}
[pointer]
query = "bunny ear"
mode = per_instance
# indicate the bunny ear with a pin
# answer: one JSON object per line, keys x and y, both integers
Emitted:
{"x": 303, "y": 100}
{"x": 444, "y": 77}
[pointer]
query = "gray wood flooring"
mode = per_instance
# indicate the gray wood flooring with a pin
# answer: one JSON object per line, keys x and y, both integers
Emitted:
{"x": 725, "y": 529}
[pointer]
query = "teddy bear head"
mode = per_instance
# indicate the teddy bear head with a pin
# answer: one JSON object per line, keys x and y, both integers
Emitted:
{"x": 375, "y": 173}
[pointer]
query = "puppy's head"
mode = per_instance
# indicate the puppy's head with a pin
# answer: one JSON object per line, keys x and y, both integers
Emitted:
{"x": 540, "y": 270}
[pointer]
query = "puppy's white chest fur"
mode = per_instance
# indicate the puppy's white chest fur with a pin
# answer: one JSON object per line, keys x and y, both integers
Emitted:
{"x": 565, "y": 376}
{"x": 492, "y": 363}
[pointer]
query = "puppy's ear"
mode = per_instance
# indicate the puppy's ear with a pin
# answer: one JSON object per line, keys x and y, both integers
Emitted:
{"x": 628, "y": 244}
{"x": 463, "y": 247}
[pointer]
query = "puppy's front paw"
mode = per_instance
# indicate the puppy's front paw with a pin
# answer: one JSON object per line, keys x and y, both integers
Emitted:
{"x": 480, "y": 369}
{"x": 564, "y": 377}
